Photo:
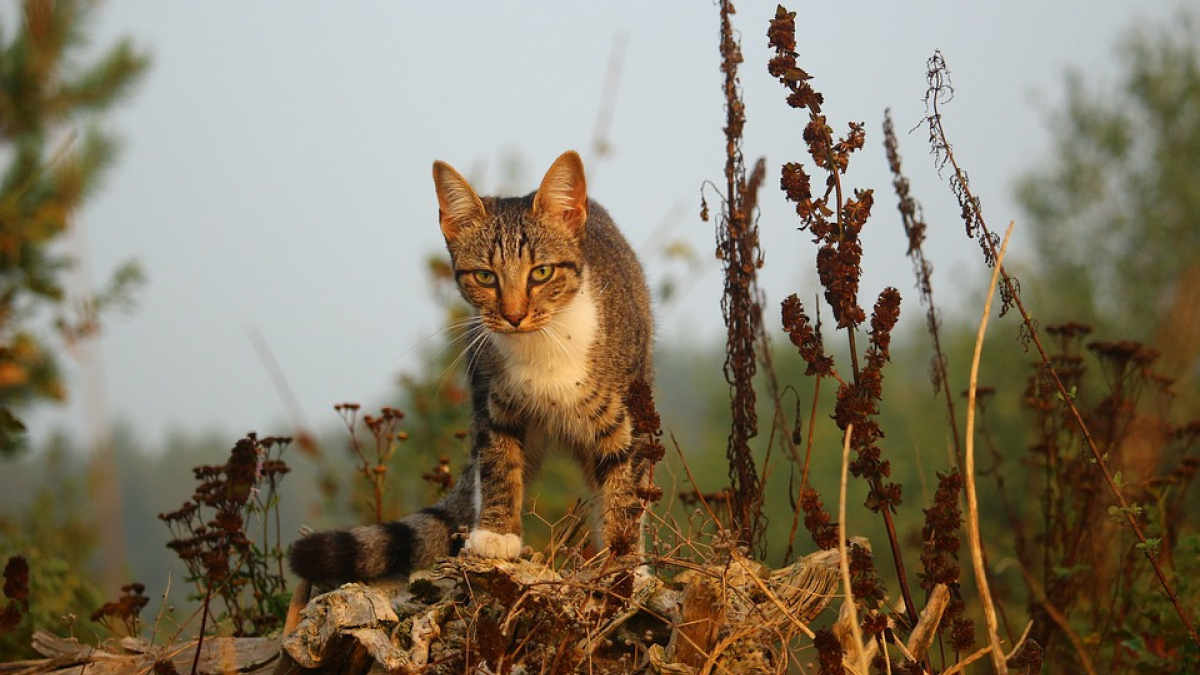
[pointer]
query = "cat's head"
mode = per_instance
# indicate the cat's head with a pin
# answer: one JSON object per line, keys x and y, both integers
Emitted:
{"x": 517, "y": 260}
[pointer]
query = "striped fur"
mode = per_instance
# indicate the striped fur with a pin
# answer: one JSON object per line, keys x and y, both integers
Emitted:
{"x": 564, "y": 330}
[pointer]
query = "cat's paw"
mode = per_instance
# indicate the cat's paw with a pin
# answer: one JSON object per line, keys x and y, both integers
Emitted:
{"x": 488, "y": 544}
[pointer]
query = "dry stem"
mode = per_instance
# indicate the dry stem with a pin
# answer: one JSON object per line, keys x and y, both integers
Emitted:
{"x": 985, "y": 595}
{"x": 938, "y": 132}
{"x": 844, "y": 563}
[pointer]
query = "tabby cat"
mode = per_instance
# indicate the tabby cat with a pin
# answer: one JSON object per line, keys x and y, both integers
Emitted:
{"x": 564, "y": 330}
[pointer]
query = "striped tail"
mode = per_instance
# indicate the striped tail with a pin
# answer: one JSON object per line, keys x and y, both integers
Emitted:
{"x": 374, "y": 551}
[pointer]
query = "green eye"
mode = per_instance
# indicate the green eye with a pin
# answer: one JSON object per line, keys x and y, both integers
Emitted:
{"x": 541, "y": 273}
{"x": 485, "y": 277}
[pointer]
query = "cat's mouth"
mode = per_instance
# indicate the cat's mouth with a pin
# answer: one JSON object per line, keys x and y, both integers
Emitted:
{"x": 505, "y": 327}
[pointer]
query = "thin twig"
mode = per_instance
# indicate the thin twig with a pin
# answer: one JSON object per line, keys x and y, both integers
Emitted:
{"x": 203, "y": 627}
{"x": 601, "y": 145}
{"x": 985, "y": 594}
{"x": 798, "y": 506}
{"x": 1059, "y": 619}
{"x": 1021, "y": 642}
{"x": 774, "y": 598}
{"x": 962, "y": 665}
{"x": 914, "y": 228}
{"x": 692, "y": 479}
{"x": 844, "y": 563}
{"x": 812, "y": 418}
{"x": 939, "y": 133}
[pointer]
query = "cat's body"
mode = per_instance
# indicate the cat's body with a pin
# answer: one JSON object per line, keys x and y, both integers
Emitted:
{"x": 564, "y": 331}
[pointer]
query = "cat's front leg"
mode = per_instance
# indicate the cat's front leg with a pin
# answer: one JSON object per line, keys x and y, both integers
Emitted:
{"x": 622, "y": 511}
{"x": 499, "y": 491}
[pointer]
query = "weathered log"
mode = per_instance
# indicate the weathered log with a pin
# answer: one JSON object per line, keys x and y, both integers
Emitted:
{"x": 488, "y": 616}
{"x": 703, "y": 617}
{"x": 129, "y": 656}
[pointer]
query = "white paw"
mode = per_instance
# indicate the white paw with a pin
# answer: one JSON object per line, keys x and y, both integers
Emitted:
{"x": 488, "y": 544}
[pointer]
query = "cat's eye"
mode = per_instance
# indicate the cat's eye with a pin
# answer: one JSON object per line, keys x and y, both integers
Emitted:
{"x": 485, "y": 277}
{"x": 541, "y": 273}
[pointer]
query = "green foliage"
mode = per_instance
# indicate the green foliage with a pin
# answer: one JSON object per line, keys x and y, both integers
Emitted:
{"x": 229, "y": 538}
{"x": 1152, "y": 640}
{"x": 56, "y": 538}
{"x": 58, "y": 154}
{"x": 428, "y": 439}
{"x": 1114, "y": 213}
{"x": 1119, "y": 188}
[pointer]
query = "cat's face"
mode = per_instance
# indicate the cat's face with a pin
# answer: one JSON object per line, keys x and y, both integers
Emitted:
{"x": 518, "y": 260}
{"x": 517, "y": 270}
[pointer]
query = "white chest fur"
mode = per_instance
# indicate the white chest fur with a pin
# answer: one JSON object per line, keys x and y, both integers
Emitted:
{"x": 551, "y": 365}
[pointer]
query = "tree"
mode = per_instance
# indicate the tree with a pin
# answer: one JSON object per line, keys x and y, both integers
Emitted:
{"x": 1115, "y": 210}
{"x": 57, "y": 155}
{"x": 55, "y": 536}
{"x": 1115, "y": 213}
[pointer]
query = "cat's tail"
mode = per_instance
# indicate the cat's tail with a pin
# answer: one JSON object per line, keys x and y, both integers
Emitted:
{"x": 388, "y": 549}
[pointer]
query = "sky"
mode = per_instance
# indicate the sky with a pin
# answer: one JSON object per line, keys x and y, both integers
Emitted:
{"x": 275, "y": 179}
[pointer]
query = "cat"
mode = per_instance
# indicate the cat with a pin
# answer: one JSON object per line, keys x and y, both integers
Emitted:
{"x": 564, "y": 331}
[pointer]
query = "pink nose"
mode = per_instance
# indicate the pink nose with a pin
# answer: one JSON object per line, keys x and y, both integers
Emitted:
{"x": 515, "y": 319}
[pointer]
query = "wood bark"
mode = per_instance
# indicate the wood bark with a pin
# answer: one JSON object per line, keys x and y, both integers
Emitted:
{"x": 488, "y": 616}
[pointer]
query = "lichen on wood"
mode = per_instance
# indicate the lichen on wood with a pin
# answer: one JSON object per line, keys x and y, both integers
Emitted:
{"x": 472, "y": 615}
{"x": 730, "y": 614}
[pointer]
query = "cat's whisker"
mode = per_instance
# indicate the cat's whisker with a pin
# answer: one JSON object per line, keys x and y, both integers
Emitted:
{"x": 473, "y": 347}
{"x": 454, "y": 342}
{"x": 461, "y": 326}
{"x": 483, "y": 334}
{"x": 487, "y": 337}
{"x": 555, "y": 338}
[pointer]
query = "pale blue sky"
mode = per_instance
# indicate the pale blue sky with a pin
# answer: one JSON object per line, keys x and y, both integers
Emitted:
{"x": 276, "y": 167}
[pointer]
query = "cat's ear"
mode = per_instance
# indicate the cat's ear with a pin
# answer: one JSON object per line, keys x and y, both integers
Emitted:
{"x": 562, "y": 196}
{"x": 458, "y": 205}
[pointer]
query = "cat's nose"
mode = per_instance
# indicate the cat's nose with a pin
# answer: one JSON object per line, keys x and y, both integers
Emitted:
{"x": 515, "y": 319}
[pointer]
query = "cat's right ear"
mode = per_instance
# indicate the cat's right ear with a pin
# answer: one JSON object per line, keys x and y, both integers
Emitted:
{"x": 458, "y": 205}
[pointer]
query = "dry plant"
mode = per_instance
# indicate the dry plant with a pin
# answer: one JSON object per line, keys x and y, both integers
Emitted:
{"x": 710, "y": 607}
{"x": 558, "y": 613}
{"x": 386, "y": 437}
{"x": 738, "y": 249}
{"x": 16, "y": 593}
{"x": 123, "y": 615}
{"x": 835, "y": 221}
{"x": 981, "y": 577}
{"x": 912, "y": 217}
{"x": 216, "y": 535}
{"x": 940, "y": 90}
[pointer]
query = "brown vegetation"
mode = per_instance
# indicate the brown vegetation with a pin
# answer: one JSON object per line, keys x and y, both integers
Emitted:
{"x": 1105, "y": 565}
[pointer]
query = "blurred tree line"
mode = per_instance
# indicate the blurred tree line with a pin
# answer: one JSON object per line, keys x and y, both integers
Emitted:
{"x": 57, "y": 153}
{"x": 1115, "y": 209}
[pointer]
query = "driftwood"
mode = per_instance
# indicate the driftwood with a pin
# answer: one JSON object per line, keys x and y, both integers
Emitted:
{"x": 919, "y": 640}
{"x": 130, "y": 656}
{"x": 487, "y": 616}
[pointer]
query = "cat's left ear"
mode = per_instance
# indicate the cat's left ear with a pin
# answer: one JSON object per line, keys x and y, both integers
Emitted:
{"x": 562, "y": 196}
